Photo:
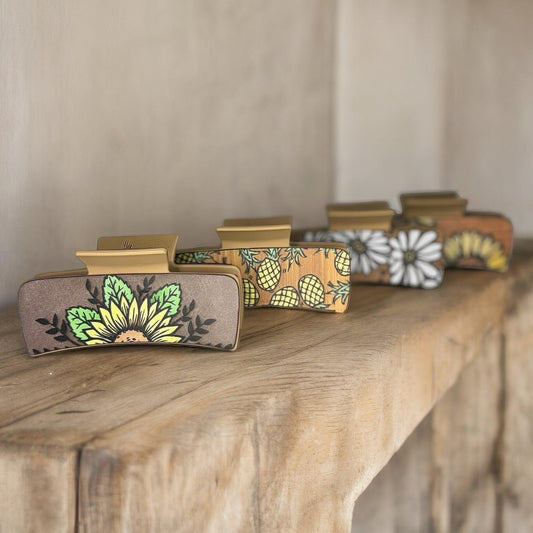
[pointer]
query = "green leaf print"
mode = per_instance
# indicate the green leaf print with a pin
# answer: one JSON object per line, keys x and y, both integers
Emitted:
{"x": 114, "y": 290}
{"x": 168, "y": 297}
{"x": 79, "y": 319}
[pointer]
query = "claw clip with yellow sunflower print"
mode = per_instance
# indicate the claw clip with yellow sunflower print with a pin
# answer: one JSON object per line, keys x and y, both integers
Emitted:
{"x": 408, "y": 255}
{"x": 277, "y": 273}
{"x": 470, "y": 239}
{"x": 131, "y": 296}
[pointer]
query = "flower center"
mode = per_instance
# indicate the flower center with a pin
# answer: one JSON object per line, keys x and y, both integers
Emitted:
{"x": 409, "y": 257}
{"x": 359, "y": 246}
{"x": 131, "y": 335}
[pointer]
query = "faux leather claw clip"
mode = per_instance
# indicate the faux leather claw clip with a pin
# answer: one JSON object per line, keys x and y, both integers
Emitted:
{"x": 132, "y": 295}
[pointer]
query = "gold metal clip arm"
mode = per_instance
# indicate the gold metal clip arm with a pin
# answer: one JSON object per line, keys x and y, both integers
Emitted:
{"x": 364, "y": 215}
{"x": 153, "y": 260}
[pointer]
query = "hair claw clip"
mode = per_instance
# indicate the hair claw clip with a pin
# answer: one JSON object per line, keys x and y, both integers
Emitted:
{"x": 277, "y": 273}
{"x": 132, "y": 292}
{"x": 381, "y": 251}
{"x": 471, "y": 239}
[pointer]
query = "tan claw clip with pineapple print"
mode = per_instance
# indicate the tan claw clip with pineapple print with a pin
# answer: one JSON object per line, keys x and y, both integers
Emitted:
{"x": 382, "y": 251}
{"x": 476, "y": 240}
{"x": 278, "y": 273}
{"x": 131, "y": 291}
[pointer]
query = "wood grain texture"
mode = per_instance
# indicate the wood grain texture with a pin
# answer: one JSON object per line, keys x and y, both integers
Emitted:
{"x": 467, "y": 467}
{"x": 282, "y": 435}
{"x": 516, "y": 450}
{"x": 399, "y": 497}
{"x": 443, "y": 478}
{"x": 37, "y": 476}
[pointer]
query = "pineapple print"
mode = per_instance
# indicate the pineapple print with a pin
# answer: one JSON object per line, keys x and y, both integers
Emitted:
{"x": 192, "y": 257}
{"x": 185, "y": 257}
{"x": 312, "y": 291}
{"x": 286, "y": 297}
{"x": 342, "y": 262}
{"x": 269, "y": 271}
{"x": 248, "y": 258}
{"x": 293, "y": 255}
{"x": 340, "y": 291}
{"x": 251, "y": 295}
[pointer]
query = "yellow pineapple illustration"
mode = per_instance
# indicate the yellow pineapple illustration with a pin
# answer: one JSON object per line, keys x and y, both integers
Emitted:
{"x": 312, "y": 291}
{"x": 286, "y": 297}
{"x": 251, "y": 295}
{"x": 192, "y": 257}
{"x": 342, "y": 262}
{"x": 269, "y": 270}
{"x": 185, "y": 257}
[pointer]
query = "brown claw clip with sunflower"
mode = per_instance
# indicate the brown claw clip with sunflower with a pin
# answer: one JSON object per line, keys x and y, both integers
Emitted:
{"x": 131, "y": 291}
{"x": 383, "y": 250}
{"x": 470, "y": 239}
{"x": 278, "y": 273}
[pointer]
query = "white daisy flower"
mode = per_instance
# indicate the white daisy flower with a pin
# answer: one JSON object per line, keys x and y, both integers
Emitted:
{"x": 368, "y": 248}
{"x": 413, "y": 253}
{"x": 317, "y": 236}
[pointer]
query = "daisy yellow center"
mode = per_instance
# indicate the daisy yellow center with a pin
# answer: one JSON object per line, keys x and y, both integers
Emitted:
{"x": 359, "y": 246}
{"x": 131, "y": 335}
{"x": 409, "y": 257}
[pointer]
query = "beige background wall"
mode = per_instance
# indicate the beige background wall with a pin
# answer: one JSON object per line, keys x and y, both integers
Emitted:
{"x": 131, "y": 116}
{"x": 489, "y": 106}
{"x": 389, "y": 97}
{"x": 134, "y": 116}
{"x": 433, "y": 93}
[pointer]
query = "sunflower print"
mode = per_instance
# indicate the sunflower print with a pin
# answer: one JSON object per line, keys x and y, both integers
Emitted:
{"x": 121, "y": 317}
{"x": 474, "y": 245}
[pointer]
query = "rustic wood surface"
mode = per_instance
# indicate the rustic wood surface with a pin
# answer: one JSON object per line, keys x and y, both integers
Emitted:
{"x": 444, "y": 478}
{"x": 283, "y": 434}
{"x": 468, "y": 466}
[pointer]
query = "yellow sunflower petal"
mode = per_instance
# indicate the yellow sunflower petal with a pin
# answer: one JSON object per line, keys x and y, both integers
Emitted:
{"x": 92, "y": 342}
{"x": 100, "y": 328}
{"x": 108, "y": 320}
{"x": 143, "y": 313}
{"x": 163, "y": 332}
{"x": 133, "y": 313}
{"x": 118, "y": 316}
{"x": 165, "y": 322}
{"x": 497, "y": 262}
{"x": 93, "y": 334}
{"x": 152, "y": 311}
{"x": 468, "y": 238}
{"x": 124, "y": 306}
{"x": 155, "y": 322}
{"x": 452, "y": 248}
{"x": 169, "y": 338}
{"x": 477, "y": 243}
{"x": 486, "y": 248}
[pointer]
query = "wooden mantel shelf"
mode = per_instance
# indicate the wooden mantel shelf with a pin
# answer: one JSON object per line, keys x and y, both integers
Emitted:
{"x": 282, "y": 435}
